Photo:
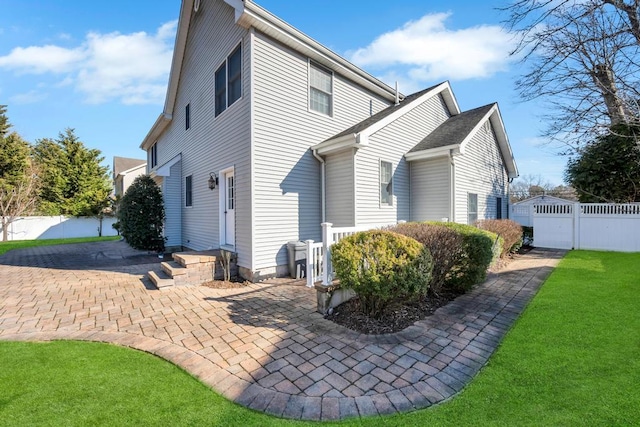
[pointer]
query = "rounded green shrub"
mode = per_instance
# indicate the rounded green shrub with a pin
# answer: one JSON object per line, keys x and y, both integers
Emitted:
{"x": 479, "y": 249}
{"x": 141, "y": 215}
{"x": 382, "y": 268}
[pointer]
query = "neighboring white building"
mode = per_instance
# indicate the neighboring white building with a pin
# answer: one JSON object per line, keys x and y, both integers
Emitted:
{"x": 522, "y": 211}
{"x": 125, "y": 170}
{"x": 294, "y": 135}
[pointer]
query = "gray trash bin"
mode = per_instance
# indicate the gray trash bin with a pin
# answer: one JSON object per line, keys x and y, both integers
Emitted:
{"x": 297, "y": 259}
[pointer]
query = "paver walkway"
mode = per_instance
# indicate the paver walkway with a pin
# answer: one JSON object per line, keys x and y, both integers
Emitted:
{"x": 263, "y": 345}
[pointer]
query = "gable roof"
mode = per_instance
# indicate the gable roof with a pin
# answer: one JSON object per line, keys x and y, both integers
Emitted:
{"x": 357, "y": 135}
{"x": 124, "y": 164}
{"x": 248, "y": 14}
{"x": 455, "y": 133}
{"x": 454, "y": 130}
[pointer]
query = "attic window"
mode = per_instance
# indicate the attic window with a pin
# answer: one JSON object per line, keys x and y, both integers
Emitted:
{"x": 187, "y": 116}
{"x": 228, "y": 81}
{"x": 320, "y": 89}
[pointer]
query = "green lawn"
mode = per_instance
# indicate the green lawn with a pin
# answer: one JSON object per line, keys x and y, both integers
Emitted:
{"x": 571, "y": 359}
{"x": 19, "y": 244}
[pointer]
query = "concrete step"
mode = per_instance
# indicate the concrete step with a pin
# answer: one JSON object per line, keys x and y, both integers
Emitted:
{"x": 173, "y": 269}
{"x": 187, "y": 259}
{"x": 160, "y": 279}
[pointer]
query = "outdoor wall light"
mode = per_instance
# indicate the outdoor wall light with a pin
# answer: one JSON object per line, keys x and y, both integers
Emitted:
{"x": 213, "y": 180}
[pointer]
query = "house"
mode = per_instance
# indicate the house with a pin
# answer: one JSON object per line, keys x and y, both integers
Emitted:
{"x": 125, "y": 170}
{"x": 266, "y": 133}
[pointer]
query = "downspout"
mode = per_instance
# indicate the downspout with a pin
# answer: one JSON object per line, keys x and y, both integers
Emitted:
{"x": 453, "y": 187}
{"x": 322, "y": 185}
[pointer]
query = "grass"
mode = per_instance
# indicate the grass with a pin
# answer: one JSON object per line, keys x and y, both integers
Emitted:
{"x": 571, "y": 359}
{"x": 19, "y": 244}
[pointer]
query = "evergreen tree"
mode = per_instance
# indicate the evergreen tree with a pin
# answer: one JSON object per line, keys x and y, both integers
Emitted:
{"x": 608, "y": 170}
{"x": 141, "y": 215}
{"x": 18, "y": 178}
{"x": 74, "y": 181}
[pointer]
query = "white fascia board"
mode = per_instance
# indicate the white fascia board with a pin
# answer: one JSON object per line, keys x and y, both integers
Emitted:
{"x": 443, "y": 88}
{"x": 503, "y": 142}
{"x": 250, "y": 14}
{"x": 165, "y": 169}
{"x": 433, "y": 153}
{"x": 481, "y": 122}
{"x": 174, "y": 76}
{"x": 133, "y": 169}
{"x": 156, "y": 130}
{"x": 494, "y": 117}
{"x": 178, "y": 55}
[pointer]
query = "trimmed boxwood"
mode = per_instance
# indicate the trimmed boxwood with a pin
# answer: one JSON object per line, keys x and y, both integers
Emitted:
{"x": 479, "y": 249}
{"x": 382, "y": 268}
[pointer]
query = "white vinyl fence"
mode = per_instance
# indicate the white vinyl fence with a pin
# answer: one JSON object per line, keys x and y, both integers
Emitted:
{"x": 594, "y": 226}
{"x": 58, "y": 227}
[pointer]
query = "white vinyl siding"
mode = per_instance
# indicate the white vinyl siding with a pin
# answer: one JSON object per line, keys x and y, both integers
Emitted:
{"x": 172, "y": 197}
{"x": 430, "y": 189}
{"x": 339, "y": 189}
{"x": 480, "y": 170}
{"x": 287, "y": 176}
{"x": 216, "y": 143}
{"x": 320, "y": 89}
{"x": 391, "y": 143}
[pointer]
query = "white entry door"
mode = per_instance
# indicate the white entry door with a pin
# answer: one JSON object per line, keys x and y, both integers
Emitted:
{"x": 229, "y": 209}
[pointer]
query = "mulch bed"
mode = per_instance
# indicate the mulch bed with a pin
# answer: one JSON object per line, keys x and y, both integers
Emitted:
{"x": 400, "y": 316}
{"x": 395, "y": 319}
{"x": 224, "y": 284}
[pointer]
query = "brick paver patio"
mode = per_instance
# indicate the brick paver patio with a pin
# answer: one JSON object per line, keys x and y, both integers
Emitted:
{"x": 263, "y": 345}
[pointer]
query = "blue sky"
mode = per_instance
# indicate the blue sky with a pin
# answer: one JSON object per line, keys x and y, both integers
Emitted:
{"x": 102, "y": 67}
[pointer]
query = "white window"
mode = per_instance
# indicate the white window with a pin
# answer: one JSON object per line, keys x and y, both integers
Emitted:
{"x": 228, "y": 81}
{"x": 386, "y": 184}
{"x": 472, "y": 208}
{"x": 320, "y": 89}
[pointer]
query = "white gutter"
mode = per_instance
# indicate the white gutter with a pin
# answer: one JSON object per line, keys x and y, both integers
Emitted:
{"x": 452, "y": 207}
{"x": 322, "y": 184}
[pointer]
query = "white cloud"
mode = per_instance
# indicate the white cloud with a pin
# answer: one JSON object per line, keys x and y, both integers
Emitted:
{"x": 30, "y": 97}
{"x": 428, "y": 51}
{"x": 42, "y": 59}
{"x": 131, "y": 68}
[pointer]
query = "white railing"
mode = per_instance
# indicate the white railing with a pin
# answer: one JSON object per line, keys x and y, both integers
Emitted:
{"x": 319, "y": 266}
{"x": 610, "y": 209}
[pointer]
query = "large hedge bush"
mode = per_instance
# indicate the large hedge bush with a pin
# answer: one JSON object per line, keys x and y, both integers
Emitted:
{"x": 509, "y": 230}
{"x": 479, "y": 249}
{"x": 141, "y": 215}
{"x": 444, "y": 244}
{"x": 382, "y": 268}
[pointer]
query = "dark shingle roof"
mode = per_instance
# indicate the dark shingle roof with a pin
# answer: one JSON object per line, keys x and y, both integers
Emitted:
{"x": 454, "y": 130}
{"x": 359, "y": 127}
{"x": 121, "y": 164}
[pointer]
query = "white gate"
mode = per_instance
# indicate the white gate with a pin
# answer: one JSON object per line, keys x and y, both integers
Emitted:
{"x": 595, "y": 226}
